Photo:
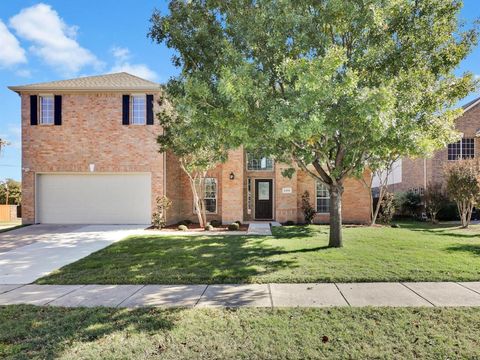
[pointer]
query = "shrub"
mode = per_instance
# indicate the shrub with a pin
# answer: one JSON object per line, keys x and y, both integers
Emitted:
{"x": 387, "y": 208}
{"x": 209, "y": 227}
{"x": 449, "y": 212}
{"x": 238, "y": 222}
{"x": 408, "y": 203}
{"x": 187, "y": 222}
{"x": 182, "y": 227}
{"x": 182, "y": 223}
{"x": 289, "y": 223}
{"x": 307, "y": 208}
{"x": 159, "y": 217}
{"x": 435, "y": 200}
{"x": 215, "y": 223}
{"x": 233, "y": 227}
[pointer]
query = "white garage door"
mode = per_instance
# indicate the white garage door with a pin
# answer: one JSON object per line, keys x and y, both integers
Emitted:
{"x": 93, "y": 198}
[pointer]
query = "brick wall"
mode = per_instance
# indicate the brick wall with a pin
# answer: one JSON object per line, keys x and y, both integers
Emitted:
{"x": 413, "y": 169}
{"x": 355, "y": 200}
{"x": 91, "y": 133}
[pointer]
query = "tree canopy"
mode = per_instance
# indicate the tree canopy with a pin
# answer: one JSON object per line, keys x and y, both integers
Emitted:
{"x": 327, "y": 85}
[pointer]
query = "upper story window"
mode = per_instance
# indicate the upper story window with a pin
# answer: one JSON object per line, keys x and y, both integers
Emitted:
{"x": 46, "y": 110}
{"x": 323, "y": 198}
{"x": 261, "y": 163}
{"x": 463, "y": 149}
{"x": 139, "y": 110}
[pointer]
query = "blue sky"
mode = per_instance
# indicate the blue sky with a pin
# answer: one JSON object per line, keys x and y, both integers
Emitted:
{"x": 51, "y": 40}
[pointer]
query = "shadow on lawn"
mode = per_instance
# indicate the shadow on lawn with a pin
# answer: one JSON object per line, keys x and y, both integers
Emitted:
{"x": 441, "y": 230}
{"x": 298, "y": 231}
{"x": 471, "y": 248}
{"x": 180, "y": 260}
{"x": 47, "y": 333}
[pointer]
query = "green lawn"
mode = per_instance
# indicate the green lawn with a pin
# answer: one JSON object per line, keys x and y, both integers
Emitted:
{"x": 101, "y": 333}
{"x": 415, "y": 252}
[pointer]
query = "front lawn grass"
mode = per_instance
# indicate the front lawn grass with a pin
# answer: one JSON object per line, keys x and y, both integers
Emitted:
{"x": 414, "y": 252}
{"x": 28, "y": 332}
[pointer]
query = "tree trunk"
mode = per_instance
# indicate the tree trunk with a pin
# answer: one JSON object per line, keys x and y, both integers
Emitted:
{"x": 196, "y": 201}
{"x": 336, "y": 192}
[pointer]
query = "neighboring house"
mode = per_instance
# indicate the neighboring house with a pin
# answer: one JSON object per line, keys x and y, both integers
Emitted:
{"x": 415, "y": 174}
{"x": 89, "y": 155}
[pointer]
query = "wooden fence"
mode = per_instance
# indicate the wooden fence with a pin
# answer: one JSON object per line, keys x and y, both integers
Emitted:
{"x": 8, "y": 213}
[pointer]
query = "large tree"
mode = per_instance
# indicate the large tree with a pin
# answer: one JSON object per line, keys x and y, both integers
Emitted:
{"x": 326, "y": 84}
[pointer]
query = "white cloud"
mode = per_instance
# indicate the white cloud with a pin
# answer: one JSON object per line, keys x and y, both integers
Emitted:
{"x": 53, "y": 40}
{"x": 11, "y": 53}
{"x": 122, "y": 56}
{"x": 23, "y": 73}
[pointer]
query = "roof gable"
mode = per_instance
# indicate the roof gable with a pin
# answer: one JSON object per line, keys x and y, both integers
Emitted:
{"x": 108, "y": 82}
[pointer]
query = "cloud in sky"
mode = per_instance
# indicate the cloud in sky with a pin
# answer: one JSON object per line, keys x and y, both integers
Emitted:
{"x": 122, "y": 56}
{"x": 53, "y": 40}
{"x": 11, "y": 53}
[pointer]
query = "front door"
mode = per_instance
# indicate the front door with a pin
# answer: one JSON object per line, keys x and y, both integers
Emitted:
{"x": 263, "y": 199}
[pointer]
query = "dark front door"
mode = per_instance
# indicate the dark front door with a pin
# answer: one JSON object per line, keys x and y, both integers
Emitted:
{"x": 263, "y": 200}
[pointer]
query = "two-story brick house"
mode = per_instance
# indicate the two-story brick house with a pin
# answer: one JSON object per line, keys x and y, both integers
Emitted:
{"x": 415, "y": 174}
{"x": 89, "y": 155}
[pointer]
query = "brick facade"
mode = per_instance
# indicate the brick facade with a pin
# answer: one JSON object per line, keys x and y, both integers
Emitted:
{"x": 92, "y": 133}
{"x": 416, "y": 173}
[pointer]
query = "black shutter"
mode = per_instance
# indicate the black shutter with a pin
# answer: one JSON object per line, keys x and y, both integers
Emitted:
{"x": 149, "y": 109}
{"x": 57, "y": 120}
{"x": 33, "y": 110}
{"x": 126, "y": 110}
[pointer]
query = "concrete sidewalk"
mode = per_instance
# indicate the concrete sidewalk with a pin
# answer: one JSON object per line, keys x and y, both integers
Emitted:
{"x": 252, "y": 295}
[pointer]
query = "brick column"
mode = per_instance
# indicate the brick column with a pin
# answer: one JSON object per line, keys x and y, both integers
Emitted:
{"x": 285, "y": 203}
{"x": 232, "y": 190}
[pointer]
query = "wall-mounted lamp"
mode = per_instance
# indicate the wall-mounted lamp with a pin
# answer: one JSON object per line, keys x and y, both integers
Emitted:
{"x": 232, "y": 176}
{"x": 92, "y": 167}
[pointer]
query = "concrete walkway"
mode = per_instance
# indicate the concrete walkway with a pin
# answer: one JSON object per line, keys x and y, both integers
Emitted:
{"x": 253, "y": 295}
{"x": 34, "y": 251}
{"x": 259, "y": 229}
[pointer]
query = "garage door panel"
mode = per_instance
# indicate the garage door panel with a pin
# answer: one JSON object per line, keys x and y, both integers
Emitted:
{"x": 94, "y": 199}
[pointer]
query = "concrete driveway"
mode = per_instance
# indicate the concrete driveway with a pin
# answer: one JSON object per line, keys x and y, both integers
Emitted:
{"x": 31, "y": 252}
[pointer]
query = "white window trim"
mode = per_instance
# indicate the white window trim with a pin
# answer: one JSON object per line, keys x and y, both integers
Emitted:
{"x": 323, "y": 197}
{"x": 40, "y": 117}
{"x": 130, "y": 121}
{"x": 461, "y": 149}
{"x": 216, "y": 198}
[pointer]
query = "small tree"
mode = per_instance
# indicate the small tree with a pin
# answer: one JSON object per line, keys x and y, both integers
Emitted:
{"x": 435, "y": 199}
{"x": 10, "y": 192}
{"x": 159, "y": 217}
{"x": 387, "y": 208}
{"x": 463, "y": 187}
{"x": 307, "y": 208}
{"x": 189, "y": 136}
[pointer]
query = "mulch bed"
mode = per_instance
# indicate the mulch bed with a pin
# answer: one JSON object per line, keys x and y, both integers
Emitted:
{"x": 197, "y": 228}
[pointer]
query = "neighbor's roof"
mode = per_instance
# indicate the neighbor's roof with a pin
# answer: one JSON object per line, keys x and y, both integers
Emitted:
{"x": 471, "y": 104}
{"x": 109, "y": 82}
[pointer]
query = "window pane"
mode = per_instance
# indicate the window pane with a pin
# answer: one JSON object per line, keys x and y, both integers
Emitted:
{"x": 255, "y": 162}
{"x": 46, "y": 112}
{"x": 138, "y": 109}
{"x": 323, "y": 198}
{"x": 210, "y": 195}
{"x": 468, "y": 148}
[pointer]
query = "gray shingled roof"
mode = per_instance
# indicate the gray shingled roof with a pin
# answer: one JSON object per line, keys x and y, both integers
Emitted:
{"x": 109, "y": 82}
{"x": 471, "y": 103}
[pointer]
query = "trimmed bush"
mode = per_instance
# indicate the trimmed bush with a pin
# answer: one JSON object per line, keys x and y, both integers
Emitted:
{"x": 289, "y": 223}
{"x": 182, "y": 227}
{"x": 215, "y": 223}
{"x": 238, "y": 222}
{"x": 233, "y": 227}
{"x": 209, "y": 227}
